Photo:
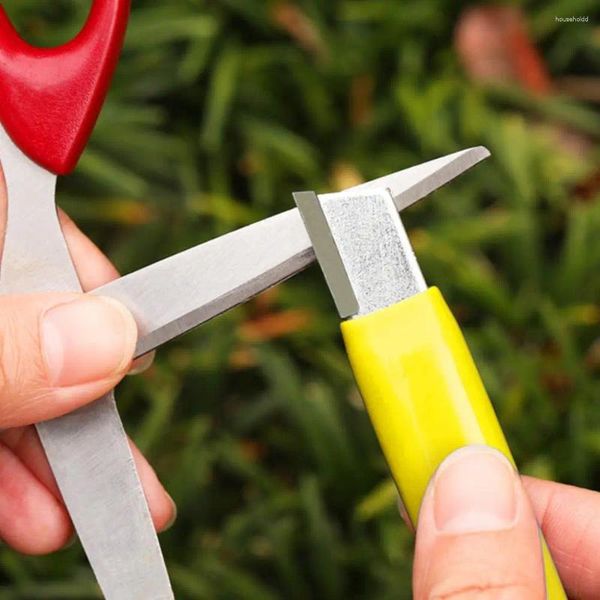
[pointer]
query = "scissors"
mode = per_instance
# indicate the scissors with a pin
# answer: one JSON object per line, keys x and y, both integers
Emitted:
{"x": 418, "y": 380}
{"x": 51, "y": 99}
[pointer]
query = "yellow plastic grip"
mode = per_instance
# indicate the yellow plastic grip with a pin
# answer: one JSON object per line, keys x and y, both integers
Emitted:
{"x": 424, "y": 395}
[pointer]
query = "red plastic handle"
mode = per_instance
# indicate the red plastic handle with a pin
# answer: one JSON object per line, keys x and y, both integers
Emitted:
{"x": 50, "y": 98}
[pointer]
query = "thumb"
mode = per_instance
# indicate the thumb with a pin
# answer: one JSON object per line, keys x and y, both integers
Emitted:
{"x": 58, "y": 352}
{"x": 477, "y": 536}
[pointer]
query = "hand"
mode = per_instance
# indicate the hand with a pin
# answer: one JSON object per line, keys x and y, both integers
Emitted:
{"x": 58, "y": 352}
{"x": 478, "y": 537}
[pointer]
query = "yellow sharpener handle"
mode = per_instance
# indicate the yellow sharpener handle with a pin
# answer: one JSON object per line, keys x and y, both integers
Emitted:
{"x": 424, "y": 395}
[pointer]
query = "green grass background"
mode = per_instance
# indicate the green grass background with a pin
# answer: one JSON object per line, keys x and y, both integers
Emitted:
{"x": 216, "y": 115}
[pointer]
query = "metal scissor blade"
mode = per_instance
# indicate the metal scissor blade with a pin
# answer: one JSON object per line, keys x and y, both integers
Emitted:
{"x": 175, "y": 295}
{"x": 412, "y": 184}
{"x": 88, "y": 448}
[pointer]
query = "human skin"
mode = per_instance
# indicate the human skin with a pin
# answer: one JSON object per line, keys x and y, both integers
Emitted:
{"x": 478, "y": 532}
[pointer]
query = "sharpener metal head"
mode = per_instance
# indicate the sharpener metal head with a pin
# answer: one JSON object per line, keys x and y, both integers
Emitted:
{"x": 363, "y": 249}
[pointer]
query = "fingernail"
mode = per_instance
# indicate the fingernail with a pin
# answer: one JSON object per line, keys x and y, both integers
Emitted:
{"x": 404, "y": 514}
{"x": 173, "y": 518}
{"x": 87, "y": 340}
{"x": 71, "y": 542}
{"x": 475, "y": 489}
{"x": 141, "y": 364}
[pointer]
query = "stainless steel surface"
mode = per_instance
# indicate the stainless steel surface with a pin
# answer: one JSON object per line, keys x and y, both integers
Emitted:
{"x": 327, "y": 253}
{"x": 379, "y": 265}
{"x": 181, "y": 292}
{"x": 410, "y": 185}
{"x": 185, "y": 290}
{"x": 87, "y": 449}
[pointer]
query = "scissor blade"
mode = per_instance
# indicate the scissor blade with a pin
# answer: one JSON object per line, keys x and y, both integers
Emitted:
{"x": 174, "y": 295}
{"x": 412, "y": 184}
{"x": 88, "y": 448}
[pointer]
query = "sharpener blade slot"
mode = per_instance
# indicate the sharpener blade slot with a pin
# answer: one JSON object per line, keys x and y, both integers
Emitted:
{"x": 363, "y": 249}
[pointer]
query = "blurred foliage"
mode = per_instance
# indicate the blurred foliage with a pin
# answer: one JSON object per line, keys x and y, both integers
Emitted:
{"x": 219, "y": 110}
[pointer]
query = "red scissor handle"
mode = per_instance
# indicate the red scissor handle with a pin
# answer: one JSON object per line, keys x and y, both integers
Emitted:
{"x": 50, "y": 98}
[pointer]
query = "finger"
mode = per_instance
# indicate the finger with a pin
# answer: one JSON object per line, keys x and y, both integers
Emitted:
{"x": 59, "y": 352}
{"x": 24, "y": 443}
{"x": 570, "y": 520}
{"x": 162, "y": 506}
{"x": 477, "y": 535}
{"x": 94, "y": 269}
{"x": 32, "y": 520}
